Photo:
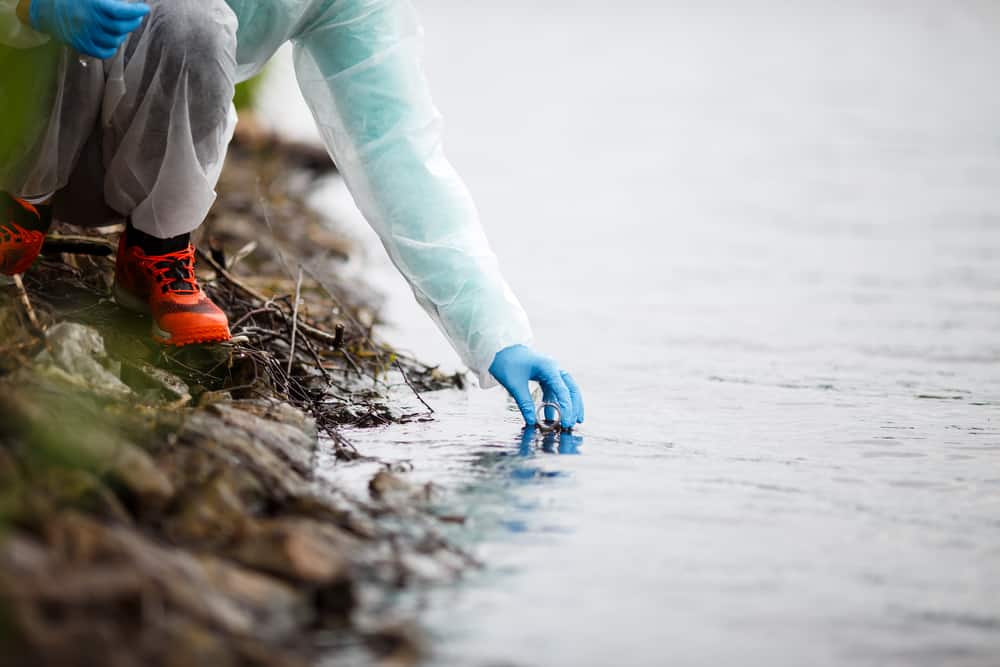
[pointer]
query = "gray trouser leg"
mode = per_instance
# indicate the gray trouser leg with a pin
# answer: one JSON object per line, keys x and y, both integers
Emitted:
{"x": 167, "y": 115}
{"x": 161, "y": 111}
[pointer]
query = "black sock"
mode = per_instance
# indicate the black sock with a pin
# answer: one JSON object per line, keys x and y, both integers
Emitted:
{"x": 44, "y": 217}
{"x": 152, "y": 245}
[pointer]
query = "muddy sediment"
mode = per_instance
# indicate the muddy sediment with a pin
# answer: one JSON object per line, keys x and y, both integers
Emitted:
{"x": 159, "y": 506}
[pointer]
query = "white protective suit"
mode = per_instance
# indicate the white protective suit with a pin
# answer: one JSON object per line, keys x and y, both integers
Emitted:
{"x": 161, "y": 112}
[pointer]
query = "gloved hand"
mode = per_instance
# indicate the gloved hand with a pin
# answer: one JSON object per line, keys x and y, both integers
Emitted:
{"x": 515, "y": 366}
{"x": 93, "y": 27}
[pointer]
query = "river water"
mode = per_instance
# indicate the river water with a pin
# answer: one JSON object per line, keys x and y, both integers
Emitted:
{"x": 765, "y": 238}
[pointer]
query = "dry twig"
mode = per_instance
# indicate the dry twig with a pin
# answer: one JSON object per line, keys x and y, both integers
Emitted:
{"x": 295, "y": 328}
{"x": 28, "y": 308}
{"x": 412, "y": 388}
{"x": 78, "y": 245}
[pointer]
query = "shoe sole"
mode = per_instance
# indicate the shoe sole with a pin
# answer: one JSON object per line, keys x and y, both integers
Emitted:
{"x": 11, "y": 273}
{"x": 18, "y": 269}
{"x": 128, "y": 301}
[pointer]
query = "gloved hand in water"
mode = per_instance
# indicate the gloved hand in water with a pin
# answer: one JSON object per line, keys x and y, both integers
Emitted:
{"x": 93, "y": 27}
{"x": 514, "y": 367}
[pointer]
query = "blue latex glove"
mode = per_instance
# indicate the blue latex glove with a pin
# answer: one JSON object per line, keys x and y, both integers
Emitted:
{"x": 93, "y": 27}
{"x": 515, "y": 366}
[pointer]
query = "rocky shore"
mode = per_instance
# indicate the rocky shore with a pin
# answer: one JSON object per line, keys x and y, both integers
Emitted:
{"x": 159, "y": 506}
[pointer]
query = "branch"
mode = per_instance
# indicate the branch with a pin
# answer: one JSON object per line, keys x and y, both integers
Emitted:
{"x": 295, "y": 329}
{"x": 78, "y": 245}
{"x": 28, "y": 308}
{"x": 412, "y": 388}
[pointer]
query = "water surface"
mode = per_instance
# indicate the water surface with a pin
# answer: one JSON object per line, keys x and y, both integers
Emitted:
{"x": 765, "y": 237}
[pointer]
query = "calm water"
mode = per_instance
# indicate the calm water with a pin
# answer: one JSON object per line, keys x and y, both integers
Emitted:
{"x": 765, "y": 237}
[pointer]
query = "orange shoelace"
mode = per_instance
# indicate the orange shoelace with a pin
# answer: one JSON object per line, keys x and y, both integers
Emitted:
{"x": 174, "y": 272}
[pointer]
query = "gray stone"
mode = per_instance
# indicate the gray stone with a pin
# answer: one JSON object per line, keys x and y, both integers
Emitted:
{"x": 77, "y": 353}
{"x": 148, "y": 379}
{"x": 280, "y": 454}
{"x": 297, "y": 549}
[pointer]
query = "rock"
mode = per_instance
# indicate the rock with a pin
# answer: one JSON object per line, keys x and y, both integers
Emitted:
{"x": 282, "y": 413}
{"x": 213, "y": 513}
{"x": 297, "y": 549}
{"x": 391, "y": 488}
{"x": 189, "y": 467}
{"x": 65, "y": 429}
{"x": 218, "y": 594}
{"x": 77, "y": 351}
{"x": 280, "y": 454}
{"x": 317, "y": 506}
{"x": 155, "y": 383}
{"x": 246, "y": 602}
{"x": 192, "y": 644}
{"x": 135, "y": 471}
{"x": 333, "y": 510}
{"x": 285, "y": 430}
{"x": 399, "y": 645}
{"x": 385, "y": 484}
{"x": 206, "y": 397}
{"x": 19, "y": 556}
{"x": 255, "y": 654}
{"x": 60, "y": 488}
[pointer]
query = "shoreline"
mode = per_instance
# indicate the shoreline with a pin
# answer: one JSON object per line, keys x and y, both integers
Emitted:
{"x": 159, "y": 506}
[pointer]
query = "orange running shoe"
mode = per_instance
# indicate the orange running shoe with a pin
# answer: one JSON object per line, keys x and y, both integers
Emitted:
{"x": 22, "y": 232}
{"x": 165, "y": 287}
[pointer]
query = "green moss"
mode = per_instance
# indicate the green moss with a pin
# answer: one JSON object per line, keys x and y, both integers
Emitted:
{"x": 246, "y": 93}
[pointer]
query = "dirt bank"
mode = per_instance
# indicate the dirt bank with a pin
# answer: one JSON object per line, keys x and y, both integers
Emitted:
{"x": 158, "y": 506}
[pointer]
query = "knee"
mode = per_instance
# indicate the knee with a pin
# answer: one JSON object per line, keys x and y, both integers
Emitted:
{"x": 187, "y": 39}
{"x": 198, "y": 28}
{"x": 190, "y": 44}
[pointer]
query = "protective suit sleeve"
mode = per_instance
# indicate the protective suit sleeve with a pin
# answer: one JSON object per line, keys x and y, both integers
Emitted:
{"x": 358, "y": 63}
{"x": 15, "y": 34}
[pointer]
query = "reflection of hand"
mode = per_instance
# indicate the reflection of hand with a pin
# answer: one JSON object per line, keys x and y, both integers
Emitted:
{"x": 514, "y": 367}
{"x": 93, "y": 27}
{"x": 569, "y": 443}
{"x": 564, "y": 443}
